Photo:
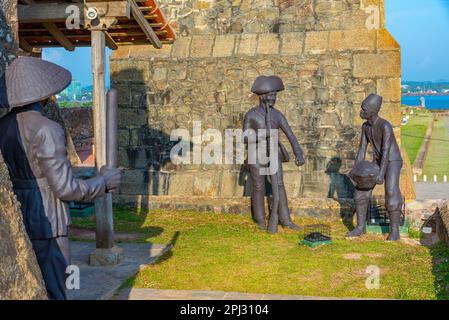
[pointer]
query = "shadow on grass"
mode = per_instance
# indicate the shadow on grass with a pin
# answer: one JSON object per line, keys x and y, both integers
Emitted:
{"x": 167, "y": 253}
{"x": 440, "y": 270}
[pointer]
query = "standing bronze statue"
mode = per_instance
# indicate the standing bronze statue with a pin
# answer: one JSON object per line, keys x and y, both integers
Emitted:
{"x": 35, "y": 153}
{"x": 387, "y": 156}
{"x": 265, "y": 117}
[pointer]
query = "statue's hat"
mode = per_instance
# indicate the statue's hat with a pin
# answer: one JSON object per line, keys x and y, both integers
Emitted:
{"x": 28, "y": 80}
{"x": 264, "y": 84}
{"x": 373, "y": 99}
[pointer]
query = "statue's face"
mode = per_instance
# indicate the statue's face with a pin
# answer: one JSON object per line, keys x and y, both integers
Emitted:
{"x": 368, "y": 110}
{"x": 269, "y": 98}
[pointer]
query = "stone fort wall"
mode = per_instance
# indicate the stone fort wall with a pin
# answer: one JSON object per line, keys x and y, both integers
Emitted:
{"x": 330, "y": 53}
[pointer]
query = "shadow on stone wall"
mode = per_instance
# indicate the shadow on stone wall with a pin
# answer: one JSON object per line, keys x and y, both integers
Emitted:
{"x": 144, "y": 138}
{"x": 341, "y": 189}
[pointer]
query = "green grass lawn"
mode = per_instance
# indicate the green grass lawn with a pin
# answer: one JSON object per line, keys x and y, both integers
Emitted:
{"x": 437, "y": 161}
{"x": 412, "y": 134}
{"x": 227, "y": 252}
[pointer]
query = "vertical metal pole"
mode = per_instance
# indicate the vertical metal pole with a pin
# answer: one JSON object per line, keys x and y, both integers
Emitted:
{"x": 103, "y": 205}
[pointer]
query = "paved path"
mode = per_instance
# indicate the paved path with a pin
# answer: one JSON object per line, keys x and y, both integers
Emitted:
{"x": 97, "y": 283}
{"x": 154, "y": 294}
{"x": 83, "y": 234}
{"x": 431, "y": 190}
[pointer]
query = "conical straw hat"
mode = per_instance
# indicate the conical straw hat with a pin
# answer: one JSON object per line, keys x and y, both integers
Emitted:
{"x": 30, "y": 80}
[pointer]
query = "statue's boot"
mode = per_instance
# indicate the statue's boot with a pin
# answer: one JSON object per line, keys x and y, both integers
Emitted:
{"x": 395, "y": 222}
{"x": 273, "y": 223}
{"x": 260, "y": 220}
{"x": 361, "y": 211}
{"x": 284, "y": 212}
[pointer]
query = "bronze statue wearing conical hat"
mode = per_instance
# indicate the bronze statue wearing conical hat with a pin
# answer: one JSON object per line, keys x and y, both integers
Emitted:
{"x": 30, "y": 80}
{"x": 33, "y": 147}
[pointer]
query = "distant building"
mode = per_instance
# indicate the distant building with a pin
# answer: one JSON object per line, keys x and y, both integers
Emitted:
{"x": 73, "y": 91}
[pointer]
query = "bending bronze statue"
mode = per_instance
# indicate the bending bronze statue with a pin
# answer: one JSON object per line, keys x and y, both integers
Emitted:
{"x": 387, "y": 157}
{"x": 34, "y": 151}
{"x": 265, "y": 117}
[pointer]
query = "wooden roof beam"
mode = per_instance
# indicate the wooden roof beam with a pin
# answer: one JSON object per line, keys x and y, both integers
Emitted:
{"x": 55, "y": 32}
{"x": 24, "y": 45}
{"x": 59, "y": 36}
{"x": 110, "y": 41}
{"x": 149, "y": 32}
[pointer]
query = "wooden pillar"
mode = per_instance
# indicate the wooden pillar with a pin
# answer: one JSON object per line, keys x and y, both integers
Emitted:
{"x": 103, "y": 205}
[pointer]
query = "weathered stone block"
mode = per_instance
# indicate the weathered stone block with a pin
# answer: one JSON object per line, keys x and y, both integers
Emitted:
{"x": 391, "y": 112}
{"x": 157, "y": 182}
{"x": 352, "y": 40}
{"x": 124, "y": 96}
{"x": 127, "y": 72}
{"x": 122, "y": 52}
{"x": 389, "y": 89}
{"x": 122, "y": 157}
{"x": 385, "y": 41}
{"x": 128, "y": 118}
{"x": 123, "y": 137}
{"x": 178, "y": 72}
{"x": 371, "y": 65}
{"x": 201, "y": 46}
{"x": 133, "y": 182}
{"x": 137, "y": 158}
{"x": 181, "y": 47}
{"x": 137, "y": 94}
{"x": 159, "y": 74}
{"x": 268, "y": 44}
{"x": 148, "y": 52}
{"x": 292, "y": 43}
{"x": 247, "y": 45}
{"x": 293, "y": 181}
{"x": 224, "y": 45}
{"x": 206, "y": 183}
{"x": 317, "y": 42}
{"x": 231, "y": 184}
{"x": 180, "y": 183}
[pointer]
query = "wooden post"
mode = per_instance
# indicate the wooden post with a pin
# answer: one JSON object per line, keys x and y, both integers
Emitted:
{"x": 103, "y": 205}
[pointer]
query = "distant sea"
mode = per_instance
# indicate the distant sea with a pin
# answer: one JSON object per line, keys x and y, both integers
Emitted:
{"x": 432, "y": 102}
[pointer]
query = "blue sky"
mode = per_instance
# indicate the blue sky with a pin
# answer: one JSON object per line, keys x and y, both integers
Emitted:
{"x": 77, "y": 61}
{"x": 420, "y": 26}
{"x": 422, "y": 29}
